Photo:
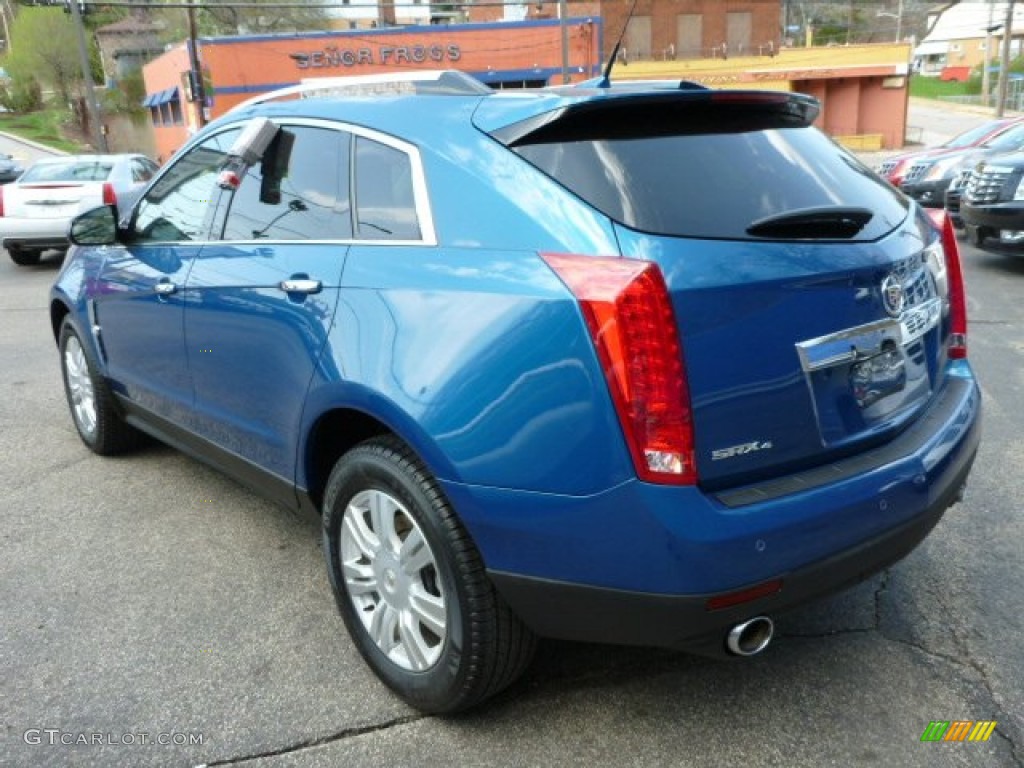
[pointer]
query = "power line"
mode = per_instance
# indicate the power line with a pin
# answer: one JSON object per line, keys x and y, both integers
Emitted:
{"x": 153, "y": 5}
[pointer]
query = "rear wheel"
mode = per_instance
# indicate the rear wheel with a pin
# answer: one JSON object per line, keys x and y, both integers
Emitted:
{"x": 23, "y": 257}
{"x": 411, "y": 586}
{"x": 93, "y": 410}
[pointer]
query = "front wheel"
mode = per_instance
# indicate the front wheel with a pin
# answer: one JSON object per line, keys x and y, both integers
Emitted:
{"x": 411, "y": 586}
{"x": 93, "y": 410}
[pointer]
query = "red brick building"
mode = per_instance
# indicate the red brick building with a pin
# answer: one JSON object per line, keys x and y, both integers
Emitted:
{"x": 672, "y": 29}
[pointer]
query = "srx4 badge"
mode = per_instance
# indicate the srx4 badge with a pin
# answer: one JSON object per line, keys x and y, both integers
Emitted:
{"x": 739, "y": 450}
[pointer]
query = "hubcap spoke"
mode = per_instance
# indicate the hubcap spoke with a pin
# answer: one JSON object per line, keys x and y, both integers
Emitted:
{"x": 416, "y": 648}
{"x": 428, "y": 609}
{"x": 382, "y": 519}
{"x": 415, "y": 555}
{"x": 360, "y": 534}
{"x": 359, "y": 579}
{"x": 382, "y": 626}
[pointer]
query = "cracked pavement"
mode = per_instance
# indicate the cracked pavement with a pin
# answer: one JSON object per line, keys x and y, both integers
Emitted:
{"x": 149, "y": 594}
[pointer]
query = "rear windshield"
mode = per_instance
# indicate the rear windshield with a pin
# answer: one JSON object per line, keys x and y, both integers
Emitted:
{"x": 716, "y": 185}
{"x": 69, "y": 171}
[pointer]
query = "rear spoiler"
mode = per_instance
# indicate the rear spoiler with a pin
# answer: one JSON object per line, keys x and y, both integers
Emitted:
{"x": 650, "y": 113}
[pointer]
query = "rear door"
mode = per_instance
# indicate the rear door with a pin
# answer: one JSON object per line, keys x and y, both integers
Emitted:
{"x": 262, "y": 298}
{"x": 808, "y": 297}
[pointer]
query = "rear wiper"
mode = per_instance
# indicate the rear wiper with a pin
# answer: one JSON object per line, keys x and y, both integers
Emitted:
{"x": 812, "y": 223}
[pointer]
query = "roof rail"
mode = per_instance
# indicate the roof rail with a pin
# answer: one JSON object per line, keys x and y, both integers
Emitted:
{"x": 436, "y": 81}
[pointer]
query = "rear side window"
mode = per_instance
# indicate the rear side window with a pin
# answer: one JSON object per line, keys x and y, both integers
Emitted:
{"x": 70, "y": 171}
{"x": 715, "y": 185}
{"x": 142, "y": 170}
{"x": 385, "y": 202}
{"x": 299, "y": 191}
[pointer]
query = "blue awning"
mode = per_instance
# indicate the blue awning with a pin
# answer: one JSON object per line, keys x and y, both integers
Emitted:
{"x": 161, "y": 97}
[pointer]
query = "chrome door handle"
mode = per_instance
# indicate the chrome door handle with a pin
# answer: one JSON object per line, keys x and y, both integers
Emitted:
{"x": 298, "y": 285}
{"x": 165, "y": 288}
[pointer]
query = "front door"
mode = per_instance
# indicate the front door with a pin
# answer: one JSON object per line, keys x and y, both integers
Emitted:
{"x": 139, "y": 308}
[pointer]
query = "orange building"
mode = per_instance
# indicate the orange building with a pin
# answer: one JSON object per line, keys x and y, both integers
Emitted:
{"x": 863, "y": 89}
{"x": 504, "y": 54}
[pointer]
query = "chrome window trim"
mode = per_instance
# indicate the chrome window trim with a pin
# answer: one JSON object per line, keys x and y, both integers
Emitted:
{"x": 424, "y": 211}
{"x": 421, "y": 197}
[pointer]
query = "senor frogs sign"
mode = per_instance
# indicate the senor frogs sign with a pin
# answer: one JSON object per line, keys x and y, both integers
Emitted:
{"x": 333, "y": 57}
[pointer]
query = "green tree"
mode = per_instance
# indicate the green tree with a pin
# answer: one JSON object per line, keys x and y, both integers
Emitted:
{"x": 219, "y": 20}
{"x": 213, "y": 19}
{"x": 44, "y": 46}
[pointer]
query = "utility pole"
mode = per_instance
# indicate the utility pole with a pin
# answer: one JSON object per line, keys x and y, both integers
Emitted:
{"x": 563, "y": 13}
{"x": 1004, "y": 63}
{"x": 92, "y": 106}
{"x": 195, "y": 70}
{"x": 986, "y": 78}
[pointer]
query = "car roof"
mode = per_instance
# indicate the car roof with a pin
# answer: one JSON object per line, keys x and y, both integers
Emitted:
{"x": 415, "y": 112}
{"x": 86, "y": 158}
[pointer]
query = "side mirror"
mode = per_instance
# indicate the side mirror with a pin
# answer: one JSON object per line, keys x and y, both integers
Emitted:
{"x": 95, "y": 227}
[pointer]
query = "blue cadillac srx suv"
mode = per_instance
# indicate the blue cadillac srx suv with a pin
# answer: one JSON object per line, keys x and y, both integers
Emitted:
{"x": 640, "y": 364}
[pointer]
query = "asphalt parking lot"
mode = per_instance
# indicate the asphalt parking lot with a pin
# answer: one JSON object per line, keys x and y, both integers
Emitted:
{"x": 148, "y": 599}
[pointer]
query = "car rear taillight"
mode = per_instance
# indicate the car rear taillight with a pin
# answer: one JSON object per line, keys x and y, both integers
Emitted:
{"x": 957, "y": 291}
{"x": 109, "y": 198}
{"x": 629, "y": 314}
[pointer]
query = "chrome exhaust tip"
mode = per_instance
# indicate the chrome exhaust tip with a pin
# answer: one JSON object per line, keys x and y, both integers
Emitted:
{"x": 750, "y": 637}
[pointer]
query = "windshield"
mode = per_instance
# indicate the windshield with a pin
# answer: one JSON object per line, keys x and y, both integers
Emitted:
{"x": 974, "y": 135}
{"x": 1007, "y": 141}
{"x": 93, "y": 170}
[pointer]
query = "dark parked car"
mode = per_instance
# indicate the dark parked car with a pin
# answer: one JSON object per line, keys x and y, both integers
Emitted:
{"x": 893, "y": 169}
{"x": 10, "y": 169}
{"x": 928, "y": 180}
{"x": 642, "y": 365}
{"x": 992, "y": 203}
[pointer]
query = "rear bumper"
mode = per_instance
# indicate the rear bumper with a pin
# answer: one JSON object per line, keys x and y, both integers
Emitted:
{"x": 575, "y": 612}
{"x": 34, "y": 233}
{"x": 637, "y": 565}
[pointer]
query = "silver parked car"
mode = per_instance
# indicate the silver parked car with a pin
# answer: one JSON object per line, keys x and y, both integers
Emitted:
{"x": 37, "y": 208}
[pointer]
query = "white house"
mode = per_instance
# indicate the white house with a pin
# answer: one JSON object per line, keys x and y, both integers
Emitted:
{"x": 962, "y": 35}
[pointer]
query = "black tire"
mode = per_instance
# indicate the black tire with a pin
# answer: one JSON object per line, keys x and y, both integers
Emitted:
{"x": 484, "y": 648}
{"x": 100, "y": 426}
{"x": 23, "y": 257}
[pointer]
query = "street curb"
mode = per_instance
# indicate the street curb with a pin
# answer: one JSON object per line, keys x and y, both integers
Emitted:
{"x": 33, "y": 144}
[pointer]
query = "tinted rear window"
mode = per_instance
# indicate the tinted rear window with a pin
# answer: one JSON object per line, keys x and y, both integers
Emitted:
{"x": 70, "y": 171}
{"x": 715, "y": 185}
